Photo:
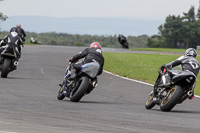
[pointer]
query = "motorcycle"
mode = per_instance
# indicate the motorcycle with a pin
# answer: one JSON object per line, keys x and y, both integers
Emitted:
{"x": 84, "y": 82}
{"x": 172, "y": 89}
{"x": 123, "y": 41}
{"x": 8, "y": 58}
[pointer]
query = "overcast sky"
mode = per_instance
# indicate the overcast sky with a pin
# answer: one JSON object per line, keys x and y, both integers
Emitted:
{"x": 134, "y": 17}
{"x": 137, "y": 9}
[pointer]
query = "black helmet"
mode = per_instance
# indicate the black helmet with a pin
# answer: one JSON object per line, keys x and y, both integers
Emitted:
{"x": 191, "y": 52}
{"x": 14, "y": 29}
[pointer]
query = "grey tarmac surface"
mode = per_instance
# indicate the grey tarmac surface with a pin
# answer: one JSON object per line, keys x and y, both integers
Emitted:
{"x": 28, "y": 102}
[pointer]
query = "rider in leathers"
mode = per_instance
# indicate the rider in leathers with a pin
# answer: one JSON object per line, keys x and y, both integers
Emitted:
{"x": 188, "y": 62}
{"x": 92, "y": 54}
{"x": 21, "y": 32}
{"x": 123, "y": 41}
{"x": 13, "y": 37}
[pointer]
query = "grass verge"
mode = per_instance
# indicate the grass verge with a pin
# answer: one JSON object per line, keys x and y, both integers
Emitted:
{"x": 142, "y": 67}
{"x": 161, "y": 49}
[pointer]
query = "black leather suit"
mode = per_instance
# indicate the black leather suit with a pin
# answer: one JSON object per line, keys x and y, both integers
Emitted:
{"x": 89, "y": 55}
{"x": 187, "y": 63}
{"x": 12, "y": 39}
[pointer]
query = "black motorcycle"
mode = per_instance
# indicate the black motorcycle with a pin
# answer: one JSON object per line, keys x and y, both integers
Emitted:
{"x": 8, "y": 58}
{"x": 83, "y": 84}
{"x": 123, "y": 41}
{"x": 173, "y": 87}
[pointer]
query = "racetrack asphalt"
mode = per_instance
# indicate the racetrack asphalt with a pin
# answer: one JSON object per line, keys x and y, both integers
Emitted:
{"x": 28, "y": 102}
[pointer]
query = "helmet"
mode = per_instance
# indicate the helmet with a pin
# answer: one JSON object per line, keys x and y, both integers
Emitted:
{"x": 95, "y": 45}
{"x": 14, "y": 29}
{"x": 191, "y": 52}
{"x": 18, "y": 25}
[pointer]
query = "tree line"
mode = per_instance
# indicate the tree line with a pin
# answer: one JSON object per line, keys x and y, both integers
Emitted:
{"x": 178, "y": 32}
{"x": 2, "y": 16}
{"x": 65, "y": 39}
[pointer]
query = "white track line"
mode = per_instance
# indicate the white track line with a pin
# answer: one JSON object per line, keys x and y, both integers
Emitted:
{"x": 7, "y": 132}
{"x": 42, "y": 70}
{"x": 128, "y": 78}
{"x": 135, "y": 80}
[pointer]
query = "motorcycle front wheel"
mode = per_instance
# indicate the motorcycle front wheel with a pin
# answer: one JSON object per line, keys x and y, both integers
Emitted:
{"x": 149, "y": 103}
{"x": 80, "y": 89}
{"x": 5, "y": 68}
{"x": 174, "y": 95}
{"x": 61, "y": 95}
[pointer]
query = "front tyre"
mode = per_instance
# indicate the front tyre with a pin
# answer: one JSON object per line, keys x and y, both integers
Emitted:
{"x": 5, "y": 68}
{"x": 61, "y": 95}
{"x": 172, "y": 98}
{"x": 80, "y": 89}
{"x": 149, "y": 103}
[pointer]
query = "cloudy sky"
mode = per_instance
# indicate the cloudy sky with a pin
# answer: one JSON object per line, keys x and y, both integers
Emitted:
{"x": 139, "y": 9}
{"x": 128, "y": 17}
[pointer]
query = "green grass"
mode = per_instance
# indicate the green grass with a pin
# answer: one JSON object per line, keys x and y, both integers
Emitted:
{"x": 162, "y": 49}
{"x": 142, "y": 67}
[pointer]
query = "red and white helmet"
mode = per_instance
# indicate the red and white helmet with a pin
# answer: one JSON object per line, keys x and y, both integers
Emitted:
{"x": 95, "y": 45}
{"x": 18, "y": 25}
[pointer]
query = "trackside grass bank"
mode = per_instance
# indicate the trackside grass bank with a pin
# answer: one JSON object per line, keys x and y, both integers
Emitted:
{"x": 142, "y": 67}
{"x": 161, "y": 49}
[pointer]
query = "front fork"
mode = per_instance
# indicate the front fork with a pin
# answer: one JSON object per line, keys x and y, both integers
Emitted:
{"x": 66, "y": 90}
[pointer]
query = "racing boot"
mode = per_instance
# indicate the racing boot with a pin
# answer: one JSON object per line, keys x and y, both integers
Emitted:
{"x": 190, "y": 94}
{"x": 15, "y": 63}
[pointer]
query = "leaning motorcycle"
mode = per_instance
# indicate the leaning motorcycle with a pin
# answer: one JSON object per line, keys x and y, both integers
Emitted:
{"x": 83, "y": 84}
{"x": 171, "y": 90}
{"x": 8, "y": 59}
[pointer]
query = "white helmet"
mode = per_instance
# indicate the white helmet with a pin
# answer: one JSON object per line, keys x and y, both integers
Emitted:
{"x": 191, "y": 52}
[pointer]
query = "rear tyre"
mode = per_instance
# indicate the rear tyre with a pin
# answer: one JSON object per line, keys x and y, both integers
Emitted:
{"x": 79, "y": 91}
{"x": 174, "y": 95}
{"x": 60, "y": 95}
{"x": 149, "y": 103}
{"x": 5, "y": 68}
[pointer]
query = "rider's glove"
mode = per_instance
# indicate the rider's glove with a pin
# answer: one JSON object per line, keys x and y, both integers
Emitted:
{"x": 70, "y": 59}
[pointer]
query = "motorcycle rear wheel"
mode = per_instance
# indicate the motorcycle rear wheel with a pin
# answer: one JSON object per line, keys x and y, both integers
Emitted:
{"x": 5, "y": 68}
{"x": 79, "y": 91}
{"x": 149, "y": 103}
{"x": 175, "y": 94}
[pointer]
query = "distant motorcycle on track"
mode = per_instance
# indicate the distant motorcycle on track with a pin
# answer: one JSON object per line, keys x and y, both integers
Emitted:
{"x": 172, "y": 90}
{"x": 83, "y": 84}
